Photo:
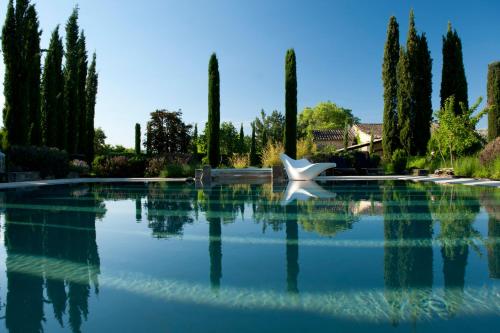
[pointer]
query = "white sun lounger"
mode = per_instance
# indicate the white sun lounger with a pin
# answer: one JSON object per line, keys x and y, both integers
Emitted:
{"x": 303, "y": 169}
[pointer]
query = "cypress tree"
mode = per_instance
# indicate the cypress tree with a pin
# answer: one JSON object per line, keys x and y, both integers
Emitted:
{"x": 453, "y": 80}
{"x": 405, "y": 108}
{"x": 390, "y": 139}
{"x": 14, "y": 114}
{"x": 90, "y": 100}
{"x": 290, "y": 138}
{"x": 195, "y": 141}
{"x": 423, "y": 97}
{"x": 71, "y": 103}
{"x": 493, "y": 91}
{"x": 254, "y": 158}
{"x": 213, "y": 149}
{"x": 32, "y": 62}
{"x": 138, "y": 139}
{"x": 81, "y": 95}
{"x": 241, "y": 144}
{"x": 53, "y": 113}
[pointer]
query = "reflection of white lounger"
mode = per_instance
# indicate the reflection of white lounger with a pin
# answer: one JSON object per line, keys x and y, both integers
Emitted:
{"x": 303, "y": 169}
{"x": 305, "y": 190}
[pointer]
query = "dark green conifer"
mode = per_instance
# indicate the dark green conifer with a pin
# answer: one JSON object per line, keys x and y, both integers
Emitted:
{"x": 241, "y": 141}
{"x": 81, "y": 95}
{"x": 90, "y": 100}
{"x": 453, "y": 80}
{"x": 53, "y": 112}
{"x": 213, "y": 149}
{"x": 390, "y": 139}
{"x": 254, "y": 158}
{"x": 290, "y": 138}
{"x": 493, "y": 88}
{"x": 405, "y": 103}
{"x": 138, "y": 139}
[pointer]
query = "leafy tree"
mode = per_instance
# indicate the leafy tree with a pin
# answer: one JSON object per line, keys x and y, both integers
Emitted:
{"x": 324, "y": 116}
{"x": 52, "y": 93}
{"x": 453, "y": 80}
{"x": 269, "y": 128}
{"x": 32, "y": 62}
{"x": 213, "y": 142}
{"x": 167, "y": 133}
{"x": 228, "y": 138}
{"x": 423, "y": 95}
{"x": 81, "y": 95}
{"x": 493, "y": 87}
{"x": 456, "y": 134}
{"x": 390, "y": 140}
{"x": 15, "y": 112}
{"x": 90, "y": 100}
{"x": 254, "y": 158}
{"x": 290, "y": 139}
{"x": 99, "y": 141}
{"x": 71, "y": 103}
{"x": 138, "y": 139}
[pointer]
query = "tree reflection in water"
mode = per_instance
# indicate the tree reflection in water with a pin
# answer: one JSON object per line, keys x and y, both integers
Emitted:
{"x": 66, "y": 234}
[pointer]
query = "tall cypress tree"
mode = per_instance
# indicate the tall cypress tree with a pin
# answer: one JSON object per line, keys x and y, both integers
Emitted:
{"x": 390, "y": 139}
{"x": 423, "y": 97}
{"x": 22, "y": 73}
{"x": 213, "y": 148}
{"x": 194, "y": 141}
{"x": 453, "y": 80}
{"x": 404, "y": 101}
{"x": 493, "y": 91}
{"x": 53, "y": 112}
{"x": 254, "y": 158}
{"x": 71, "y": 103}
{"x": 81, "y": 94}
{"x": 90, "y": 100}
{"x": 14, "y": 115}
{"x": 290, "y": 138}
{"x": 241, "y": 142}
{"x": 32, "y": 63}
{"x": 137, "y": 139}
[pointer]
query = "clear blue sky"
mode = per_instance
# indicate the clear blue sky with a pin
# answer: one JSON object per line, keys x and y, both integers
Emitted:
{"x": 154, "y": 53}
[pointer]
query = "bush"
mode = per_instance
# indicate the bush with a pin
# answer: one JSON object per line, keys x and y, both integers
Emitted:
{"x": 490, "y": 153}
{"x": 495, "y": 169}
{"x": 416, "y": 162}
{"x": 398, "y": 161}
{"x": 306, "y": 148}
{"x": 271, "y": 154}
{"x": 155, "y": 166}
{"x": 240, "y": 161}
{"x": 177, "y": 170}
{"x": 79, "y": 166}
{"x": 50, "y": 162}
{"x": 119, "y": 166}
{"x": 467, "y": 167}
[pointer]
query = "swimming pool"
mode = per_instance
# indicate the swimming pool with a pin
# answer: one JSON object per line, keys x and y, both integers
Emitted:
{"x": 389, "y": 256}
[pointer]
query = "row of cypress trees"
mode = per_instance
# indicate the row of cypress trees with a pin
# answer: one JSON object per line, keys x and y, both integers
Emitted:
{"x": 493, "y": 88}
{"x": 213, "y": 128}
{"x": 407, "y": 79}
{"x": 55, "y": 108}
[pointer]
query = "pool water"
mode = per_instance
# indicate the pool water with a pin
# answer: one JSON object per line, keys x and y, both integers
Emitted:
{"x": 386, "y": 256}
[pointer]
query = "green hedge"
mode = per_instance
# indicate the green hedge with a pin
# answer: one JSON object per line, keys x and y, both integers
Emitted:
{"x": 50, "y": 162}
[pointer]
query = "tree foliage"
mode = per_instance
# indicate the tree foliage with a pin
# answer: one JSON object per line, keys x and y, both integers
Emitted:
{"x": 32, "y": 62}
{"x": 90, "y": 101}
{"x": 213, "y": 140}
{"x": 290, "y": 138}
{"x": 390, "y": 138}
{"x": 167, "y": 133}
{"x": 453, "y": 80}
{"x": 137, "y": 139}
{"x": 269, "y": 128}
{"x": 82, "y": 131}
{"x": 254, "y": 157}
{"x": 493, "y": 87}
{"x": 324, "y": 116}
{"x": 53, "y": 113}
{"x": 228, "y": 138}
{"x": 456, "y": 134}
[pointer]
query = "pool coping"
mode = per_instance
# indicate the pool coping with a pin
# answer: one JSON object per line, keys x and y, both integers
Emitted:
{"x": 436, "y": 180}
{"x": 70, "y": 181}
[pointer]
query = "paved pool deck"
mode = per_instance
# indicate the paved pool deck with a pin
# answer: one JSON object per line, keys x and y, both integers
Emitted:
{"x": 437, "y": 180}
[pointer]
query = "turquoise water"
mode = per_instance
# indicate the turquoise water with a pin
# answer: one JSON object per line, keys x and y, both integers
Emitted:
{"x": 303, "y": 257}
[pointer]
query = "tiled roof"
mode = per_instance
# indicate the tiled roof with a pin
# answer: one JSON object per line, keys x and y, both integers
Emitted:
{"x": 332, "y": 135}
{"x": 375, "y": 129}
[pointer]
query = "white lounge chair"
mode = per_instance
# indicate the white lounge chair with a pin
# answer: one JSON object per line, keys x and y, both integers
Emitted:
{"x": 303, "y": 169}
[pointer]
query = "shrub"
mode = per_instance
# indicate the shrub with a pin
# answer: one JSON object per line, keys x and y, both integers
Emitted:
{"x": 416, "y": 162}
{"x": 495, "y": 169}
{"x": 155, "y": 166}
{"x": 467, "y": 167}
{"x": 305, "y": 148}
{"x": 177, "y": 170}
{"x": 79, "y": 166}
{"x": 271, "y": 154}
{"x": 50, "y": 162}
{"x": 118, "y": 166}
{"x": 239, "y": 161}
{"x": 398, "y": 161}
{"x": 491, "y": 152}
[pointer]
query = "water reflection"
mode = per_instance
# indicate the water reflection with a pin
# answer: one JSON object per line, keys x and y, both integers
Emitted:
{"x": 59, "y": 225}
{"x": 60, "y": 234}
